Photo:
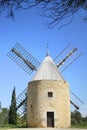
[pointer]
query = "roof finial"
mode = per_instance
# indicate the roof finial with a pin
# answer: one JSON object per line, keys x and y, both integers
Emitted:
{"x": 47, "y": 50}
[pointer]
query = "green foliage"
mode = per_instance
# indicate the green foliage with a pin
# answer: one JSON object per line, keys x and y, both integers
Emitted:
{"x": 77, "y": 120}
{"x": 9, "y": 118}
{"x": 21, "y": 121}
{"x": 12, "y": 112}
{"x": 76, "y": 117}
{"x": 3, "y": 117}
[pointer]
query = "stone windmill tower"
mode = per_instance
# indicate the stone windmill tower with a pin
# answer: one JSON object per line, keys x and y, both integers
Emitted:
{"x": 48, "y": 95}
{"x": 48, "y": 103}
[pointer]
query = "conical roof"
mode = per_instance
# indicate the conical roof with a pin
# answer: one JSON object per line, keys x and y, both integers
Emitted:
{"x": 47, "y": 71}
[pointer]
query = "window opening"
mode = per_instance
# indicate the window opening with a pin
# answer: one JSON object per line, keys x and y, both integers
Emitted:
{"x": 50, "y": 94}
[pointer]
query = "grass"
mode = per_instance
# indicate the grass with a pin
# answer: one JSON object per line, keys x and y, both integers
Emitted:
{"x": 13, "y": 126}
{"x": 79, "y": 126}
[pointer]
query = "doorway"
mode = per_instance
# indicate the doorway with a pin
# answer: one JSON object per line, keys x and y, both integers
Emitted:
{"x": 50, "y": 119}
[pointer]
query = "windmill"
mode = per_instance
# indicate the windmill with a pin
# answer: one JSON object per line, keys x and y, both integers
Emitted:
{"x": 29, "y": 64}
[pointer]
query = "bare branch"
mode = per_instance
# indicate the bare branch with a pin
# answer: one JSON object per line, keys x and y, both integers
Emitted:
{"x": 55, "y": 10}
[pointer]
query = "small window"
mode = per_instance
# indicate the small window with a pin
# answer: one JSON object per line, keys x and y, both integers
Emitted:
{"x": 31, "y": 106}
{"x": 50, "y": 94}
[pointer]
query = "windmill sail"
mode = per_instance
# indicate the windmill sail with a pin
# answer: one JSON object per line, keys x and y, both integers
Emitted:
{"x": 67, "y": 57}
{"x": 77, "y": 107}
{"x": 21, "y": 102}
{"x": 23, "y": 58}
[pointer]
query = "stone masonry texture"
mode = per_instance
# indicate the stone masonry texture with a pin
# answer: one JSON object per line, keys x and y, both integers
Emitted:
{"x": 38, "y": 103}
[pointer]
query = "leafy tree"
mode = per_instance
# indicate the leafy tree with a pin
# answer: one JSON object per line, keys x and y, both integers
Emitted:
{"x": 0, "y": 106}
{"x": 76, "y": 118}
{"x": 56, "y": 10}
{"x": 4, "y": 116}
{"x": 12, "y": 112}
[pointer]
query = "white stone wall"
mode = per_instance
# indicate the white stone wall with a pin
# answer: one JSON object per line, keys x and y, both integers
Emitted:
{"x": 38, "y": 103}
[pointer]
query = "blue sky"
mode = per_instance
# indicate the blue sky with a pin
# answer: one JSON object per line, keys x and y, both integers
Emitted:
{"x": 29, "y": 30}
